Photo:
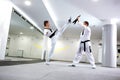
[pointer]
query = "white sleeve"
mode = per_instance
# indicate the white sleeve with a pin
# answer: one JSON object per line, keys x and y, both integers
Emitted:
{"x": 87, "y": 32}
{"x": 81, "y": 36}
{"x": 47, "y": 32}
{"x": 80, "y": 23}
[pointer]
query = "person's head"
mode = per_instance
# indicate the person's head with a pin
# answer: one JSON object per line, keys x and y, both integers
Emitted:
{"x": 46, "y": 24}
{"x": 86, "y": 23}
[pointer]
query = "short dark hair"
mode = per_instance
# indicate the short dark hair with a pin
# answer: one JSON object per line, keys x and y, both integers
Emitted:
{"x": 45, "y": 22}
{"x": 86, "y": 22}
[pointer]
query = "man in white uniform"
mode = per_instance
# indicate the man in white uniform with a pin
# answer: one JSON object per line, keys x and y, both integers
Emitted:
{"x": 84, "y": 46}
{"x": 53, "y": 35}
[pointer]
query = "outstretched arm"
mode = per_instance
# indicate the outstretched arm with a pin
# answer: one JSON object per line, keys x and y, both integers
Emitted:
{"x": 76, "y": 20}
{"x": 79, "y": 22}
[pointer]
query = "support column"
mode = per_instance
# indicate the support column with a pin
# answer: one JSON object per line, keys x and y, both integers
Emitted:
{"x": 5, "y": 17}
{"x": 109, "y": 38}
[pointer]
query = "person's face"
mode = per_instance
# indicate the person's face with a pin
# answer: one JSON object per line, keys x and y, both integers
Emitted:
{"x": 85, "y": 25}
{"x": 48, "y": 25}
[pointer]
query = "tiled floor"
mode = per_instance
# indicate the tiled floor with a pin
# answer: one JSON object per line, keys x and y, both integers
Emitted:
{"x": 57, "y": 71}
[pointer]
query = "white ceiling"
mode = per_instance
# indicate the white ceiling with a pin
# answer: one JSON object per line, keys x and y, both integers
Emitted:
{"x": 103, "y": 9}
{"x": 37, "y": 11}
{"x": 18, "y": 25}
{"x": 94, "y": 12}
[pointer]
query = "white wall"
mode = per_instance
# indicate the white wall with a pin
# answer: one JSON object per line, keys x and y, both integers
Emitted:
{"x": 5, "y": 16}
{"x": 31, "y": 45}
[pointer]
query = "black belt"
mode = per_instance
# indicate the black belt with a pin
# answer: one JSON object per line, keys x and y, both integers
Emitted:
{"x": 53, "y": 34}
{"x": 85, "y": 44}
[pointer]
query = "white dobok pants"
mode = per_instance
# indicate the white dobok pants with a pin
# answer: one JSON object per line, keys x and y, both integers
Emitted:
{"x": 84, "y": 46}
{"x": 54, "y": 39}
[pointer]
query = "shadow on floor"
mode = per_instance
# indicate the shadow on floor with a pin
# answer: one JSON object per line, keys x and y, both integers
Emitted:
{"x": 9, "y": 63}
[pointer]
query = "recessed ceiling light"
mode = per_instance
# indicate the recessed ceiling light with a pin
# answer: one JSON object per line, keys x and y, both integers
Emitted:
{"x": 31, "y": 27}
{"x": 21, "y": 32}
{"x": 95, "y": 0}
{"x": 28, "y": 2}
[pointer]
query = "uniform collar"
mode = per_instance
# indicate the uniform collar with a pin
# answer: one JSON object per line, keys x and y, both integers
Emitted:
{"x": 85, "y": 27}
{"x": 46, "y": 28}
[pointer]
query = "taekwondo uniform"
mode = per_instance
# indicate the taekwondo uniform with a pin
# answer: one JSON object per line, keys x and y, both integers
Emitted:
{"x": 53, "y": 35}
{"x": 85, "y": 46}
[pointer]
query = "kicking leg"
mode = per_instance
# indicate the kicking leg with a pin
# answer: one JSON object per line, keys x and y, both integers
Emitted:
{"x": 63, "y": 28}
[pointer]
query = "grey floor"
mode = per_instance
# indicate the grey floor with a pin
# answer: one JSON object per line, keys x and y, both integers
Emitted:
{"x": 17, "y": 59}
{"x": 57, "y": 71}
{"x": 9, "y": 61}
